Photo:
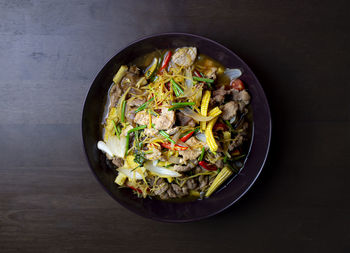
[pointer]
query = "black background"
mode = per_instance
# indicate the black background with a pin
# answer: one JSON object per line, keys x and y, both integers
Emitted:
{"x": 50, "y": 52}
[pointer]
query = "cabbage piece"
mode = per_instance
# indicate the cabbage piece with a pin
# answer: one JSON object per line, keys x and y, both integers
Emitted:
{"x": 117, "y": 145}
{"x": 103, "y": 147}
{"x": 160, "y": 171}
{"x": 130, "y": 174}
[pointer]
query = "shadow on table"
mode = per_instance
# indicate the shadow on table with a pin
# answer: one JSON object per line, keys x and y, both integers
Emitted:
{"x": 270, "y": 173}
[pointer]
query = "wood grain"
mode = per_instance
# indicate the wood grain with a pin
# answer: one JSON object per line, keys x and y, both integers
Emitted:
{"x": 50, "y": 52}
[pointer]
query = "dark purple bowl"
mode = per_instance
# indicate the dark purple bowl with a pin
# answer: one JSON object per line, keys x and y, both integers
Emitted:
{"x": 171, "y": 211}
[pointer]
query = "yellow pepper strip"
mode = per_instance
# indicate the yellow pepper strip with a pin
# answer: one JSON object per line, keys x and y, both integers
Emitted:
{"x": 215, "y": 112}
{"x": 220, "y": 178}
{"x": 210, "y": 136}
{"x": 204, "y": 107}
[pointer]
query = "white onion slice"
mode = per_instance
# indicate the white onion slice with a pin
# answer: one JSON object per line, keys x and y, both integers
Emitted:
{"x": 190, "y": 113}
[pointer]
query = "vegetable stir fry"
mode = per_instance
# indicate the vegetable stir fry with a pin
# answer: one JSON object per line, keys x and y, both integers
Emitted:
{"x": 176, "y": 125}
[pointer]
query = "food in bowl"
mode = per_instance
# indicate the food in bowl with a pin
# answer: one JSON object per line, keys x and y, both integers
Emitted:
{"x": 176, "y": 124}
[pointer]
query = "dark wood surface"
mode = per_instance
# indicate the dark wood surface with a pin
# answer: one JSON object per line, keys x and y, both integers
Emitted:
{"x": 50, "y": 52}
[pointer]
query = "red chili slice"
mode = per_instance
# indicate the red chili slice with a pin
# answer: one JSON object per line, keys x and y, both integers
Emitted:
{"x": 207, "y": 166}
{"x": 176, "y": 147}
{"x": 165, "y": 61}
{"x": 187, "y": 136}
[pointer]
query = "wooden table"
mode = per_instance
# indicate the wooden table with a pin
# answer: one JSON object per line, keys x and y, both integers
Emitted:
{"x": 50, "y": 52}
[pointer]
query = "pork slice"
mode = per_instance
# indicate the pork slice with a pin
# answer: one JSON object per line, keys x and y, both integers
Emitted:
{"x": 229, "y": 110}
{"x": 156, "y": 153}
{"x": 162, "y": 187}
{"x": 191, "y": 184}
{"x": 203, "y": 181}
{"x": 193, "y": 151}
{"x": 184, "y": 56}
{"x": 219, "y": 95}
{"x": 151, "y": 132}
{"x": 183, "y": 168}
{"x": 114, "y": 95}
{"x": 241, "y": 96}
{"x": 164, "y": 121}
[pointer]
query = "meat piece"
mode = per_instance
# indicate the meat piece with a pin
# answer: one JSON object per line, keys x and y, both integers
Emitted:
{"x": 203, "y": 181}
{"x": 179, "y": 191}
{"x": 164, "y": 196}
{"x": 219, "y": 163}
{"x": 219, "y": 95}
{"x": 151, "y": 132}
{"x": 229, "y": 110}
{"x": 119, "y": 162}
{"x": 183, "y": 168}
{"x": 193, "y": 151}
{"x": 184, "y": 120}
{"x": 199, "y": 169}
{"x": 156, "y": 153}
{"x": 164, "y": 121}
{"x": 184, "y": 56}
{"x": 241, "y": 96}
{"x": 211, "y": 72}
{"x": 161, "y": 187}
{"x": 171, "y": 193}
{"x": 136, "y": 102}
{"x": 115, "y": 94}
{"x": 172, "y": 131}
{"x": 191, "y": 184}
{"x": 130, "y": 78}
{"x": 131, "y": 106}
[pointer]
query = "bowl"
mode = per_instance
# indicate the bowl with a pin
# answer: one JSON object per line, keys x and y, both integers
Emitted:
{"x": 156, "y": 209}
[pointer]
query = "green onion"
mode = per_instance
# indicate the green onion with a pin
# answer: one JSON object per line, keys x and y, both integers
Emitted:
{"x": 166, "y": 136}
{"x": 137, "y": 128}
{"x": 183, "y": 103}
{"x": 238, "y": 157}
{"x": 115, "y": 128}
{"x": 123, "y": 112}
{"x": 229, "y": 125}
{"x": 144, "y": 105}
{"x": 177, "y": 89}
{"x": 202, "y": 154}
{"x": 119, "y": 129}
{"x": 180, "y": 105}
{"x": 136, "y": 167}
{"x": 189, "y": 131}
{"x": 201, "y": 79}
{"x": 225, "y": 158}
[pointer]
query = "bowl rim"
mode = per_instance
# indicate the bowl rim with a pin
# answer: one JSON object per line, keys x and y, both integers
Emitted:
{"x": 268, "y": 121}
